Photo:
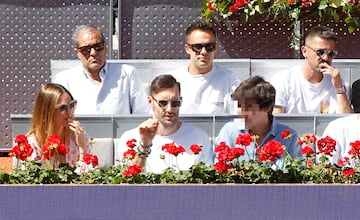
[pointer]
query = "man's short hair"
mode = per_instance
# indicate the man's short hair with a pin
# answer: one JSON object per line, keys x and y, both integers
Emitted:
{"x": 322, "y": 32}
{"x": 202, "y": 26}
{"x": 85, "y": 27}
{"x": 165, "y": 81}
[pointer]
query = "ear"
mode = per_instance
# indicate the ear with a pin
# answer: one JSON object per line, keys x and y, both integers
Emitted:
{"x": 149, "y": 100}
{"x": 304, "y": 51}
{"x": 187, "y": 49}
{"x": 77, "y": 52}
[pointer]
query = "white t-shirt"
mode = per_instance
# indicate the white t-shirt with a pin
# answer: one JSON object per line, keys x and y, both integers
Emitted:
{"x": 207, "y": 93}
{"x": 120, "y": 92}
{"x": 344, "y": 130}
{"x": 185, "y": 136}
{"x": 298, "y": 95}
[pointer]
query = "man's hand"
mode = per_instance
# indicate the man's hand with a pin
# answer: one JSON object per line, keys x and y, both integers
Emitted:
{"x": 147, "y": 130}
{"x": 325, "y": 68}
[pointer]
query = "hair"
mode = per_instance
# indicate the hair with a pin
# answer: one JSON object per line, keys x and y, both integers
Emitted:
{"x": 355, "y": 96}
{"x": 322, "y": 32}
{"x": 257, "y": 89}
{"x": 202, "y": 26}
{"x": 42, "y": 123}
{"x": 88, "y": 28}
{"x": 163, "y": 82}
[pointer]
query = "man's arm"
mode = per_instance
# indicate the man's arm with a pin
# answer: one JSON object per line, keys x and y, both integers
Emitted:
{"x": 342, "y": 99}
{"x": 343, "y": 103}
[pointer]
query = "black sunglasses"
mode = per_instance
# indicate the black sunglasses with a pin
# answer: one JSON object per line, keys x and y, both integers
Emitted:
{"x": 87, "y": 49}
{"x": 71, "y": 106}
{"x": 209, "y": 47}
{"x": 321, "y": 52}
{"x": 164, "y": 103}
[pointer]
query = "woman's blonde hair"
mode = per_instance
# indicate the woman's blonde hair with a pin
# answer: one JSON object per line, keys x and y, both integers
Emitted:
{"x": 42, "y": 123}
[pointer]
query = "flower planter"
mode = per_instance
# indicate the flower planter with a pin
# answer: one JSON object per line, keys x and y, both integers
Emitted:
{"x": 230, "y": 201}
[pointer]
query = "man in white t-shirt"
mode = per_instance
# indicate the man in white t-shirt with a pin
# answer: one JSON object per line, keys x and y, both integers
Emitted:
{"x": 101, "y": 87}
{"x": 206, "y": 87}
{"x": 165, "y": 128}
{"x": 316, "y": 86}
{"x": 344, "y": 131}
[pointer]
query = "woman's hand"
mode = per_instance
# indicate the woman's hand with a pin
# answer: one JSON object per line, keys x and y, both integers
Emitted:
{"x": 79, "y": 132}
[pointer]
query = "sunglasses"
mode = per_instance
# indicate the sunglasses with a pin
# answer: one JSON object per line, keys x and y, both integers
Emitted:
{"x": 164, "y": 103}
{"x": 209, "y": 47}
{"x": 71, "y": 106}
{"x": 321, "y": 52}
{"x": 86, "y": 50}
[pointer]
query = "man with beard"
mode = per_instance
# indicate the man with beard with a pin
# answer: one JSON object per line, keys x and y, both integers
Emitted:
{"x": 316, "y": 86}
{"x": 165, "y": 128}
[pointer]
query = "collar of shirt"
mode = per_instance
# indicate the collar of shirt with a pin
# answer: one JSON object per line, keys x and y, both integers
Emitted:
{"x": 269, "y": 136}
{"x": 102, "y": 74}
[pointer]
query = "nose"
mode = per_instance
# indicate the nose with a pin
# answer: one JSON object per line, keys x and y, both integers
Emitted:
{"x": 93, "y": 51}
{"x": 203, "y": 50}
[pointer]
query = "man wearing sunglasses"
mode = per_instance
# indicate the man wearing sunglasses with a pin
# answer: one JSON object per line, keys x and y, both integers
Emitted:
{"x": 206, "y": 87}
{"x": 165, "y": 128}
{"x": 316, "y": 86}
{"x": 101, "y": 87}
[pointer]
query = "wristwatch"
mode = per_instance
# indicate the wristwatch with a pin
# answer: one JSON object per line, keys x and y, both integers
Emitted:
{"x": 340, "y": 90}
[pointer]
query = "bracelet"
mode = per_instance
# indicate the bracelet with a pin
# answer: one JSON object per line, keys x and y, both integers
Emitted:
{"x": 147, "y": 146}
{"x": 340, "y": 90}
{"x": 143, "y": 153}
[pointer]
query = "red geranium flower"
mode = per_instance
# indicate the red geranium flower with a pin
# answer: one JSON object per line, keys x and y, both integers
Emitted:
{"x": 221, "y": 147}
{"x": 348, "y": 172}
{"x": 129, "y": 154}
{"x": 355, "y": 149}
{"x": 53, "y": 147}
{"x": 233, "y": 8}
{"x": 133, "y": 170}
{"x": 211, "y": 6}
{"x": 307, "y": 151}
{"x": 270, "y": 151}
{"x": 344, "y": 162}
{"x": 326, "y": 145}
{"x": 91, "y": 159}
{"x": 244, "y": 139}
{"x": 221, "y": 167}
{"x": 23, "y": 149}
{"x": 196, "y": 148}
{"x": 171, "y": 148}
{"x": 307, "y": 139}
{"x": 131, "y": 143}
{"x": 241, "y": 3}
{"x": 235, "y": 153}
{"x": 285, "y": 134}
{"x": 225, "y": 153}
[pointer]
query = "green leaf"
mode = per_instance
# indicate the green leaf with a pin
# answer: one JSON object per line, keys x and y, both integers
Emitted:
{"x": 335, "y": 3}
{"x": 323, "y": 5}
{"x": 351, "y": 29}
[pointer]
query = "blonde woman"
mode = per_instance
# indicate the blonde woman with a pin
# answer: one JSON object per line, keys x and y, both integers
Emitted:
{"x": 53, "y": 113}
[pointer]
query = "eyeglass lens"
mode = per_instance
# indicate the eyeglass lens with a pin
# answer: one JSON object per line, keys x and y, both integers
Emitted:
{"x": 71, "y": 106}
{"x": 209, "y": 47}
{"x": 164, "y": 103}
{"x": 321, "y": 52}
{"x": 87, "y": 49}
{"x": 330, "y": 53}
